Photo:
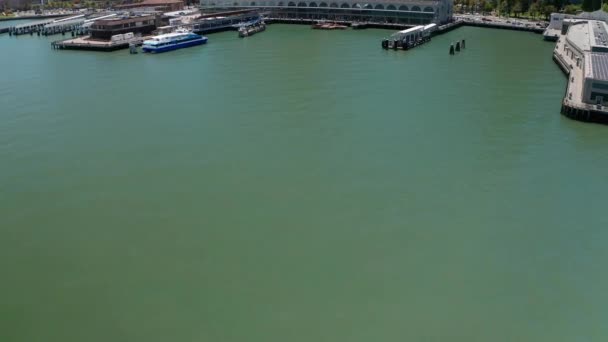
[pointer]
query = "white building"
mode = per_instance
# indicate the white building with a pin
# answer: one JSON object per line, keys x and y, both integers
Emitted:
{"x": 408, "y": 12}
{"x": 587, "y": 46}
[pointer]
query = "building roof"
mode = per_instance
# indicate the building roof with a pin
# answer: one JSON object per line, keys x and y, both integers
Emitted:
{"x": 600, "y": 36}
{"x": 150, "y": 3}
{"x": 597, "y": 66}
{"x": 157, "y": 2}
{"x": 589, "y": 36}
{"x": 578, "y": 34}
{"x": 596, "y": 15}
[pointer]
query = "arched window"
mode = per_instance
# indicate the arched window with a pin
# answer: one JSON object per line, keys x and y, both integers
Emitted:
{"x": 391, "y": 8}
{"x": 344, "y": 5}
{"x": 301, "y": 4}
{"x": 428, "y": 9}
{"x": 379, "y": 7}
{"x": 333, "y": 4}
{"x": 403, "y": 8}
{"x": 312, "y": 4}
{"x": 355, "y": 5}
{"x": 323, "y": 4}
{"x": 291, "y": 4}
{"x": 368, "y": 6}
{"x": 416, "y": 9}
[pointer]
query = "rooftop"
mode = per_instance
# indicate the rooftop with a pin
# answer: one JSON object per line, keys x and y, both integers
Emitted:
{"x": 597, "y": 68}
{"x": 578, "y": 34}
{"x": 115, "y": 19}
{"x": 600, "y": 36}
{"x": 150, "y": 3}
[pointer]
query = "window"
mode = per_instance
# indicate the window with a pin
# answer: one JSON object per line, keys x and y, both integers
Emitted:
{"x": 599, "y": 85}
{"x": 595, "y": 95}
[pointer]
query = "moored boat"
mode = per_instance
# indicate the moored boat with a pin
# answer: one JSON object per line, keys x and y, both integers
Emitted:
{"x": 250, "y": 30}
{"x": 328, "y": 25}
{"x": 173, "y": 41}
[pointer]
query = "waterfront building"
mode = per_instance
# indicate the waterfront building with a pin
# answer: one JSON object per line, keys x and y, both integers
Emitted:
{"x": 407, "y": 12}
{"x": 582, "y": 52}
{"x": 159, "y": 5}
{"x": 586, "y": 43}
{"x": 556, "y": 24}
{"x": 108, "y": 27}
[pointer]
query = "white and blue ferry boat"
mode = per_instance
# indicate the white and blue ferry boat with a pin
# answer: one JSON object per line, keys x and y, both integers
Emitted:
{"x": 173, "y": 41}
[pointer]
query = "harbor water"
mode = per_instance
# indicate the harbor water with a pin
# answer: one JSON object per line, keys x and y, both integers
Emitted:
{"x": 299, "y": 185}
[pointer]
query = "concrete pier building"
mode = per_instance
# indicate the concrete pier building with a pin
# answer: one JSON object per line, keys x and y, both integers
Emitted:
{"x": 582, "y": 52}
{"x": 407, "y": 12}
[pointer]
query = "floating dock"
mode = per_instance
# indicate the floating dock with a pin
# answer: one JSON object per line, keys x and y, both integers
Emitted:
{"x": 85, "y": 43}
{"x": 410, "y": 38}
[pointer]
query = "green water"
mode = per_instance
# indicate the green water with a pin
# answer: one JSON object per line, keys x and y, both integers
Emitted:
{"x": 299, "y": 185}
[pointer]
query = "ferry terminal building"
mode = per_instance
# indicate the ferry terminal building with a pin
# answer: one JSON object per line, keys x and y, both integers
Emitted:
{"x": 406, "y": 12}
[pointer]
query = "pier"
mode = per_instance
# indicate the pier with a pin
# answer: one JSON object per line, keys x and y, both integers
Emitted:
{"x": 85, "y": 43}
{"x": 399, "y": 26}
{"x": 48, "y": 27}
{"x": 582, "y": 53}
{"x": 410, "y": 38}
{"x": 502, "y": 26}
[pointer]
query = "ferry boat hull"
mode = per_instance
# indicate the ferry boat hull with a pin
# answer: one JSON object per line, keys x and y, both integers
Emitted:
{"x": 175, "y": 46}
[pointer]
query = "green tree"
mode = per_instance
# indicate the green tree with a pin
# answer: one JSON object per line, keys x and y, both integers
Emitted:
{"x": 488, "y": 7}
{"x": 597, "y": 4}
{"x": 587, "y": 5}
{"x": 547, "y": 10}
{"x": 571, "y": 9}
{"x": 504, "y": 8}
{"x": 517, "y": 8}
{"x": 534, "y": 9}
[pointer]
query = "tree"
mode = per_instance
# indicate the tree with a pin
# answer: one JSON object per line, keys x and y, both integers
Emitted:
{"x": 488, "y": 7}
{"x": 547, "y": 10}
{"x": 525, "y": 6}
{"x": 517, "y": 8}
{"x": 571, "y": 9}
{"x": 597, "y": 4}
{"x": 587, "y": 5}
{"x": 559, "y": 4}
{"x": 504, "y": 8}
{"x": 534, "y": 9}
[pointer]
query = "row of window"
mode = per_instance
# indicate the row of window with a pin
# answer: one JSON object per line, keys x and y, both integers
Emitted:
{"x": 334, "y": 5}
{"x": 596, "y": 96}
{"x": 302, "y": 12}
{"x": 599, "y": 85}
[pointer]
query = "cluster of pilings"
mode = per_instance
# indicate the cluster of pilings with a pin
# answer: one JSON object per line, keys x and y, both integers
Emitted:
{"x": 455, "y": 47}
{"x": 42, "y": 30}
{"x": 16, "y": 31}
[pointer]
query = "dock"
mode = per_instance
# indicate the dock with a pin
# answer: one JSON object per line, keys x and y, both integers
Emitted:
{"x": 86, "y": 43}
{"x": 502, "y": 26}
{"x": 397, "y": 26}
